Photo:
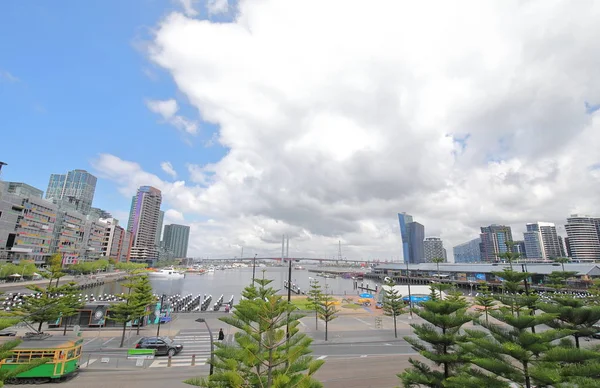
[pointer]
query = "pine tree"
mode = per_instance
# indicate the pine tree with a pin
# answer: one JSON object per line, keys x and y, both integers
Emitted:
{"x": 485, "y": 300}
{"x": 41, "y": 306}
{"x": 69, "y": 302}
{"x": 438, "y": 341}
{"x": 393, "y": 304}
{"x": 143, "y": 296}
{"x": 262, "y": 356}
{"x": 315, "y": 294}
{"x": 327, "y": 311}
{"x": 572, "y": 314}
{"x": 512, "y": 349}
{"x": 129, "y": 309}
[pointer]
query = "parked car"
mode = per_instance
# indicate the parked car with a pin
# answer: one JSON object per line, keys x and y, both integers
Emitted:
{"x": 7, "y": 333}
{"x": 164, "y": 346}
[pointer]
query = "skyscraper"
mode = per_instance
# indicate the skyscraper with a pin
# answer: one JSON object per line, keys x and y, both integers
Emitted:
{"x": 143, "y": 224}
{"x": 76, "y": 188}
{"x": 495, "y": 240}
{"x": 176, "y": 239}
{"x": 412, "y": 234}
{"x": 433, "y": 248}
{"x": 159, "y": 230}
{"x": 541, "y": 241}
{"x": 583, "y": 242}
{"x": 405, "y": 219}
{"x": 468, "y": 252}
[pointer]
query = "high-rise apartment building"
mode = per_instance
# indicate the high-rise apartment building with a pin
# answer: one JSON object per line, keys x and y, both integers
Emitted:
{"x": 24, "y": 190}
{"x": 75, "y": 188}
{"x": 93, "y": 237}
{"x": 69, "y": 233}
{"x": 116, "y": 241}
{"x": 583, "y": 243}
{"x": 519, "y": 248}
{"x": 143, "y": 224}
{"x": 433, "y": 248}
{"x": 26, "y": 227}
{"x": 495, "y": 240}
{"x": 412, "y": 234}
{"x": 561, "y": 243}
{"x": 176, "y": 239}
{"x": 541, "y": 241}
{"x": 468, "y": 252}
{"x": 159, "y": 230}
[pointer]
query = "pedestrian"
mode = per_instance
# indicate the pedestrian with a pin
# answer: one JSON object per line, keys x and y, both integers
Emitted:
{"x": 221, "y": 335}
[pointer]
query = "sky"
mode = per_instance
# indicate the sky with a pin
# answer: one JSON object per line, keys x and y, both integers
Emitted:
{"x": 320, "y": 120}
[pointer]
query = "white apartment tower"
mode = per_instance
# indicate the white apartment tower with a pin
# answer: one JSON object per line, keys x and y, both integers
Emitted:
{"x": 583, "y": 237}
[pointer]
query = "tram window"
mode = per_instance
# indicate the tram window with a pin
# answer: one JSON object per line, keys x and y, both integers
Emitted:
{"x": 78, "y": 352}
{"x": 71, "y": 353}
{"x": 37, "y": 355}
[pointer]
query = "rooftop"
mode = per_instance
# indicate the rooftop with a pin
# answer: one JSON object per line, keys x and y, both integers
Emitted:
{"x": 543, "y": 269}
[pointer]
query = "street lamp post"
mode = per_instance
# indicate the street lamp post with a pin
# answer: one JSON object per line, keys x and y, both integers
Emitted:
{"x": 162, "y": 301}
{"x": 212, "y": 345}
{"x": 253, "y": 268}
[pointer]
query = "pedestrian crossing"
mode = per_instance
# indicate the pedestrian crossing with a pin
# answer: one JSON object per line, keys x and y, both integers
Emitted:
{"x": 195, "y": 342}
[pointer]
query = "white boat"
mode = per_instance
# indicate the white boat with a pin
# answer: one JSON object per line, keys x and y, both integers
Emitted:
{"x": 167, "y": 273}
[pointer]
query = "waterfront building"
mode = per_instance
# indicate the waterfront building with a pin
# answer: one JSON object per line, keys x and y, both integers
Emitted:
{"x": 583, "y": 242}
{"x": 563, "y": 252}
{"x": 519, "y": 247}
{"x": 541, "y": 241}
{"x": 413, "y": 235}
{"x": 143, "y": 224}
{"x": 495, "y": 240}
{"x": 69, "y": 231}
{"x": 26, "y": 227}
{"x": 433, "y": 248}
{"x": 75, "y": 188}
{"x": 159, "y": 229}
{"x": 93, "y": 237}
{"x": 100, "y": 213}
{"x": 117, "y": 241}
{"x": 468, "y": 252}
{"x": 23, "y": 190}
{"x": 176, "y": 239}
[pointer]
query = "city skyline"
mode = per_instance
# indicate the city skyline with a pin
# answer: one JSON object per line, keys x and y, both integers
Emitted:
{"x": 466, "y": 124}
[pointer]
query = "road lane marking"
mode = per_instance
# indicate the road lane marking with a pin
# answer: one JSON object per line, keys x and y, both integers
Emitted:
{"x": 88, "y": 363}
{"x": 365, "y": 322}
{"x": 321, "y": 357}
{"x": 104, "y": 343}
{"x": 90, "y": 341}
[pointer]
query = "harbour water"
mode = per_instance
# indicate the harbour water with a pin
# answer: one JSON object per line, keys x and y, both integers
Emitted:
{"x": 229, "y": 282}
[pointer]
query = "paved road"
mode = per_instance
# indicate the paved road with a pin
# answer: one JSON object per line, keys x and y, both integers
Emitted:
{"x": 375, "y": 372}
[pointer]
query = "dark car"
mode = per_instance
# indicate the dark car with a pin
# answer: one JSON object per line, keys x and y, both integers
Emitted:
{"x": 164, "y": 346}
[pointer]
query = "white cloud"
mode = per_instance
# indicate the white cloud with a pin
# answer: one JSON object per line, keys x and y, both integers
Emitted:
{"x": 335, "y": 121}
{"x": 8, "y": 77}
{"x": 215, "y": 7}
{"x": 168, "y": 168}
{"x": 173, "y": 216}
{"x": 168, "y": 109}
{"x": 188, "y": 7}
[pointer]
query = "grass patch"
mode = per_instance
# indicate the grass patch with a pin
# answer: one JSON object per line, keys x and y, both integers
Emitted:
{"x": 301, "y": 303}
{"x": 352, "y": 306}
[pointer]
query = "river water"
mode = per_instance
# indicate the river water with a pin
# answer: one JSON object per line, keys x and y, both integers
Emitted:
{"x": 230, "y": 282}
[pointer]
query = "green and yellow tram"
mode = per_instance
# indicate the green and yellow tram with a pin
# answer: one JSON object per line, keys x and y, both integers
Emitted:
{"x": 62, "y": 352}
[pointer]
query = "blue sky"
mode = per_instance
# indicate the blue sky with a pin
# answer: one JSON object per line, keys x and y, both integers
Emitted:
{"x": 74, "y": 81}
